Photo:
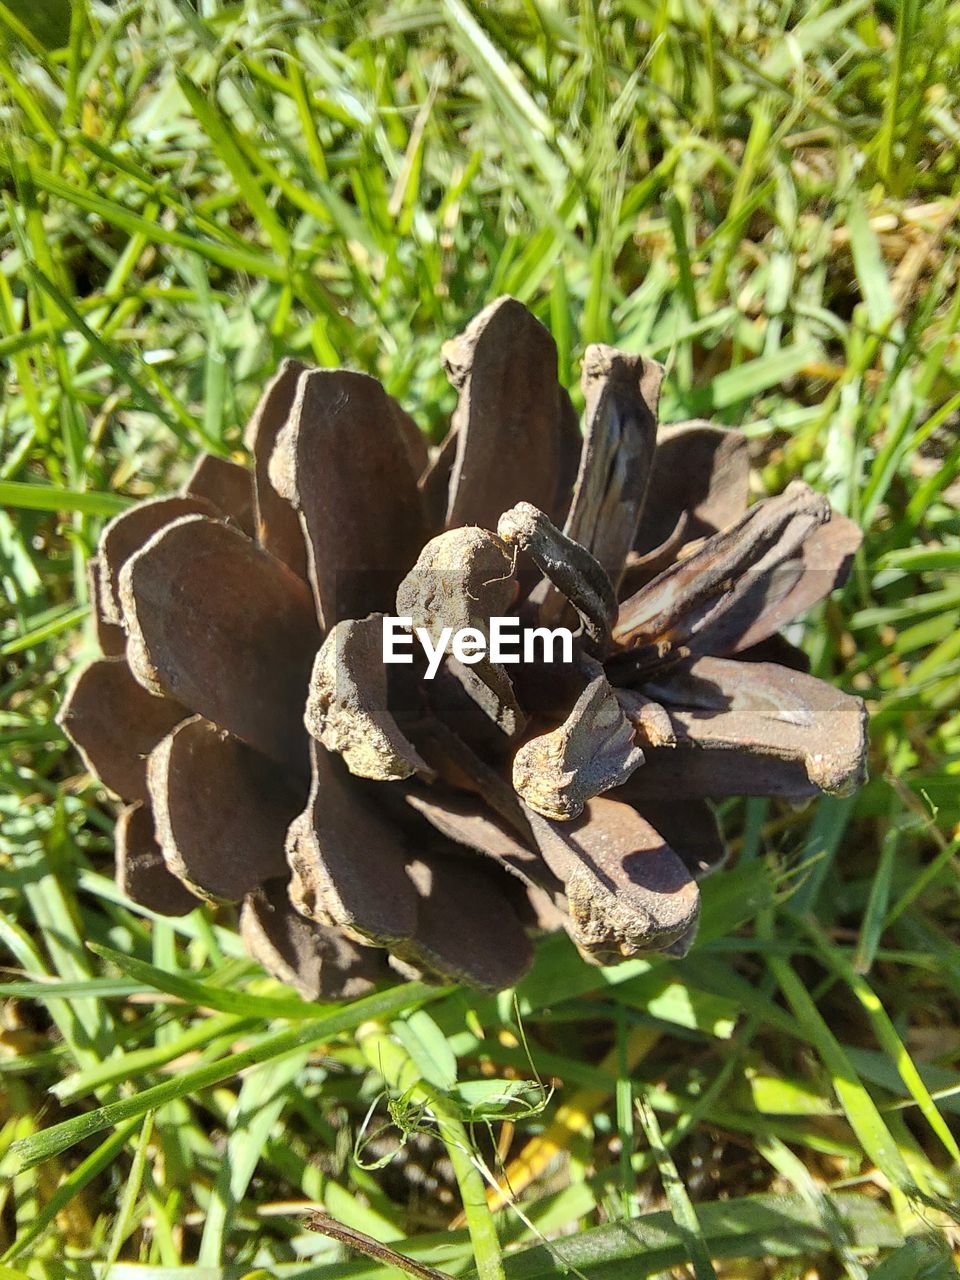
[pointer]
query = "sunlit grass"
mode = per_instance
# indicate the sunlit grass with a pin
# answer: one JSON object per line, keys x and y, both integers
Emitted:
{"x": 764, "y": 198}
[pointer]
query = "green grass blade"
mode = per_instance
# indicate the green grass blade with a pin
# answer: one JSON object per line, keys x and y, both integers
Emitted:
{"x": 59, "y": 1137}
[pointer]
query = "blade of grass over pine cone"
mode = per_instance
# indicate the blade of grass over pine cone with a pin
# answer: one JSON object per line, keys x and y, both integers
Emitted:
{"x": 226, "y": 1000}
{"x": 44, "y": 497}
{"x": 387, "y": 1004}
{"x": 134, "y": 1064}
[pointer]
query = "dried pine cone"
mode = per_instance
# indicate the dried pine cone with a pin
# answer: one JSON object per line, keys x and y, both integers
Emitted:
{"x": 268, "y": 755}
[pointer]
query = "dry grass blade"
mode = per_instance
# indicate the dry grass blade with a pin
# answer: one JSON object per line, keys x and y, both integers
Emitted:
{"x": 370, "y": 1248}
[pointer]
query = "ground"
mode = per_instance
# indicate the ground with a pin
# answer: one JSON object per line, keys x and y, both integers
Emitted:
{"x": 762, "y": 196}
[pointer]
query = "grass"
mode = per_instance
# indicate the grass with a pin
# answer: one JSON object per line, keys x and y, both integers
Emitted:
{"x": 763, "y": 196}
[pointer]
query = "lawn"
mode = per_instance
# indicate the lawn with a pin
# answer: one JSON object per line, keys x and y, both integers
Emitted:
{"x": 764, "y": 197}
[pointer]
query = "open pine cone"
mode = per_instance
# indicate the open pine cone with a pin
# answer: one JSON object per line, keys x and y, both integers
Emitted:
{"x": 268, "y": 755}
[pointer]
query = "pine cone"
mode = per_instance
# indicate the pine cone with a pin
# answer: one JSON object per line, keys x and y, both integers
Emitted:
{"x": 362, "y": 811}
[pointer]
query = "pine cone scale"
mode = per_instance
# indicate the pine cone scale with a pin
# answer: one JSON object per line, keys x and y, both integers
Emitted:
{"x": 700, "y": 476}
{"x": 622, "y": 393}
{"x": 343, "y": 463}
{"x": 221, "y": 626}
{"x": 220, "y": 809}
{"x": 508, "y": 416}
{"x": 276, "y": 525}
{"x": 116, "y": 723}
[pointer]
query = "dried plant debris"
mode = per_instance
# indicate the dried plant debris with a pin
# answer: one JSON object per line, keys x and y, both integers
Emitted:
{"x": 372, "y": 821}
